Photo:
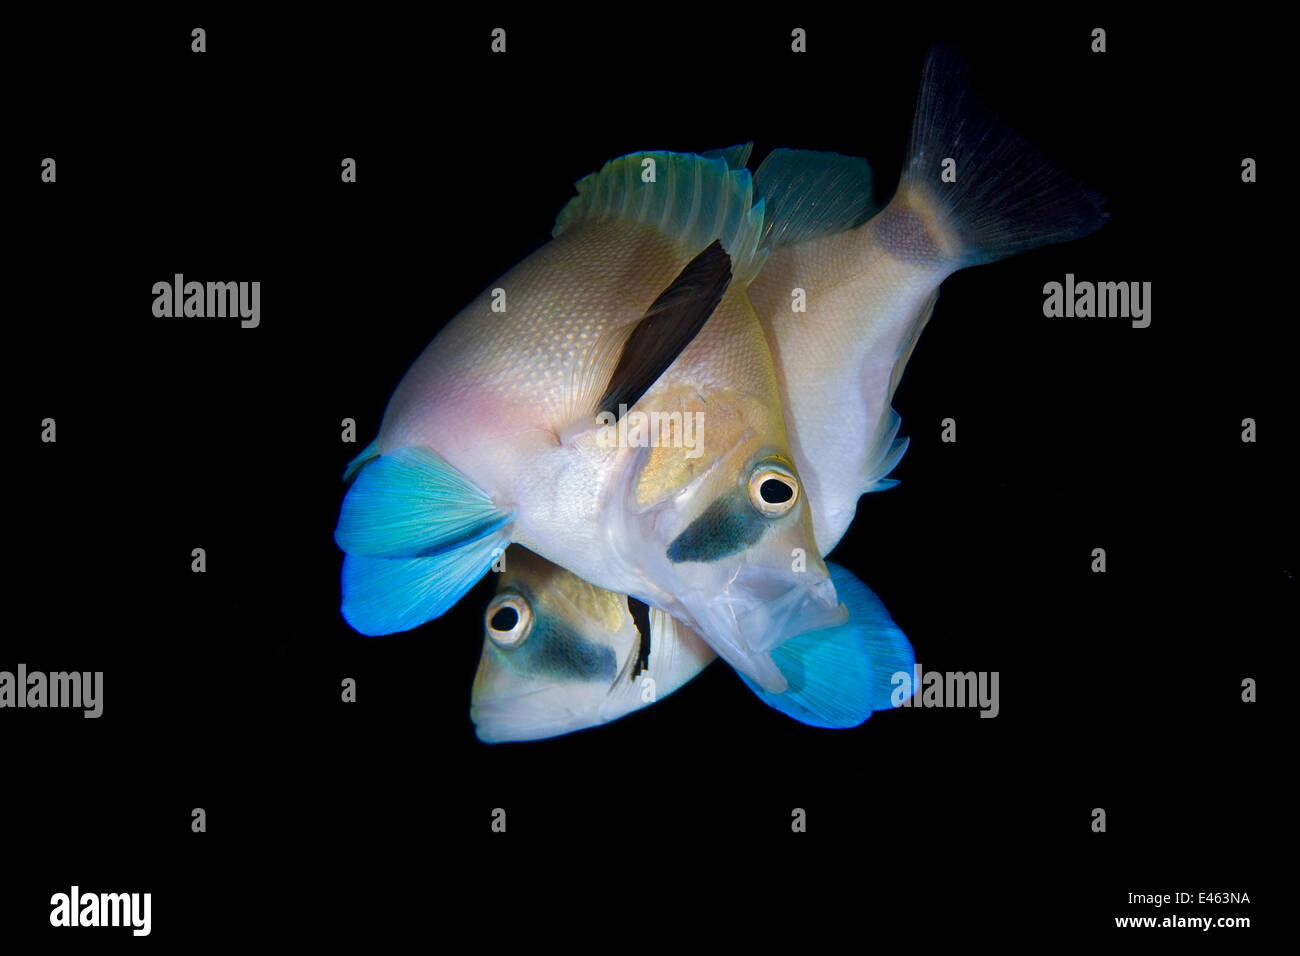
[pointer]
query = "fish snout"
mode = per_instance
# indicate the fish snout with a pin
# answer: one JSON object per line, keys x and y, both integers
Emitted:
{"x": 759, "y": 609}
{"x": 809, "y": 605}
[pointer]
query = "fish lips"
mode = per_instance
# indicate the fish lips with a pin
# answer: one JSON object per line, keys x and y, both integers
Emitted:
{"x": 515, "y": 718}
{"x": 505, "y": 708}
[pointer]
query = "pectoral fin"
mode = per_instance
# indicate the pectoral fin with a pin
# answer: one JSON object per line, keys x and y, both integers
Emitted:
{"x": 367, "y": 455}
{"x": 418, "y": 535}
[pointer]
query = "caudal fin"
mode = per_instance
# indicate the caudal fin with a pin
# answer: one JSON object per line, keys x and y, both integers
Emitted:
{"x": 1006, "y": 197}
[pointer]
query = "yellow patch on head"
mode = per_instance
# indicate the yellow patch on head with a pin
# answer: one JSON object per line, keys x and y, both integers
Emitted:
{"x": 545, "y": 582}
{"x": 604, "y": 607}
{"x": 686, "y": 435}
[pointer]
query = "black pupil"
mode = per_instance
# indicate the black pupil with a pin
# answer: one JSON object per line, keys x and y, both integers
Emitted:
{"x": 505, "y": 619}
{"x": 775, "y": 491}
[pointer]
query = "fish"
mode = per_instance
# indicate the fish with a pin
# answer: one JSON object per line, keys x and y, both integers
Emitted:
{"x": 871, "y": 276}
{"x": 561, "y": 655}
{"x": 873, "y": 287}
{"x": 500, "y": 431}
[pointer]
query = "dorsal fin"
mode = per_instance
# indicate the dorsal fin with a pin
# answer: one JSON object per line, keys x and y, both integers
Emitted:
{"x": 808, "y": 193}
{"x": 695, "y": 199}
{"x": 735, "y": 156}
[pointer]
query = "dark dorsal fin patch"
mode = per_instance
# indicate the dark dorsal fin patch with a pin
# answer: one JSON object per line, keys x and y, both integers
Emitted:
{"x": 641, "y": 618}
{"x": 669, "y": 324}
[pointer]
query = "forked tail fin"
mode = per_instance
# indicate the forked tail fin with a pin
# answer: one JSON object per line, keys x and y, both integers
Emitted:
{"x": 1000, "y": 196}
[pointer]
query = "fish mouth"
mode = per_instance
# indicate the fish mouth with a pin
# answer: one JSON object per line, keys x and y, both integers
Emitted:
{"x": 809, "y": 607}
{"x": 514, "y": 717}
{"x": 764, "y": 613}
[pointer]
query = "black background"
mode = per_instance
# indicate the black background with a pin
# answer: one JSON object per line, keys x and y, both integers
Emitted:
{"x": 222, "y": 690}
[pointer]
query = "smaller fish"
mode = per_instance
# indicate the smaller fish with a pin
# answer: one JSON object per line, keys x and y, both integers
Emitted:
{"x": 561, "y": 655}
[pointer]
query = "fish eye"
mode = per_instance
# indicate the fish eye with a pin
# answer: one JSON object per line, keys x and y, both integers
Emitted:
{"x": 773, "y": 489}
{"x": 509, "y": 619}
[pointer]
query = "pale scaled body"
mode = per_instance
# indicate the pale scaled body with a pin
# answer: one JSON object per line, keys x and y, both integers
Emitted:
{"x": 971, "y": 192}
{"x": 494, "y": 393}
{"x": 869, "y": 292}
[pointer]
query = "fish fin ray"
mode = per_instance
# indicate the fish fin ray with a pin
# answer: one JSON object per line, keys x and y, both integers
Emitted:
{"x": 677, "y": 653}
{"x": 417, "y": 535}
{"x": 1007, "y": 197}
{"x": 837, "y": 676}
{"x": 387, "y": 595}
{"x": 735, "y": 156}
{"x": 887, "y": 448}
{"x": 807, "y": 193}
{"x": 694, "y": 199}
{"x": 886, "y": 454}
{"x": 409, "y": 503}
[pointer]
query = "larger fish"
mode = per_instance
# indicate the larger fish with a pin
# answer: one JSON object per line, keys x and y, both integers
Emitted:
{"x": 871, "y": 288}
{"x": 492, "y": 435}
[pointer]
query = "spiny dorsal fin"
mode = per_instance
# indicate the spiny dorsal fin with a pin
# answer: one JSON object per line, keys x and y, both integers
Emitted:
{"x": 808, "y": 193}
{"x": 670, "y": 323}
{"x": 735, "y": 156}
{"x": 695, "y": 199}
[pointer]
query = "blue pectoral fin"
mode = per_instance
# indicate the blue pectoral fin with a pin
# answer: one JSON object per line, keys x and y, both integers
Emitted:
{"x": 417, "y": 535}
{"x": 839, "y": 675}
{"x": 387, "y": 595}
{"x": 410, "y": 503}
